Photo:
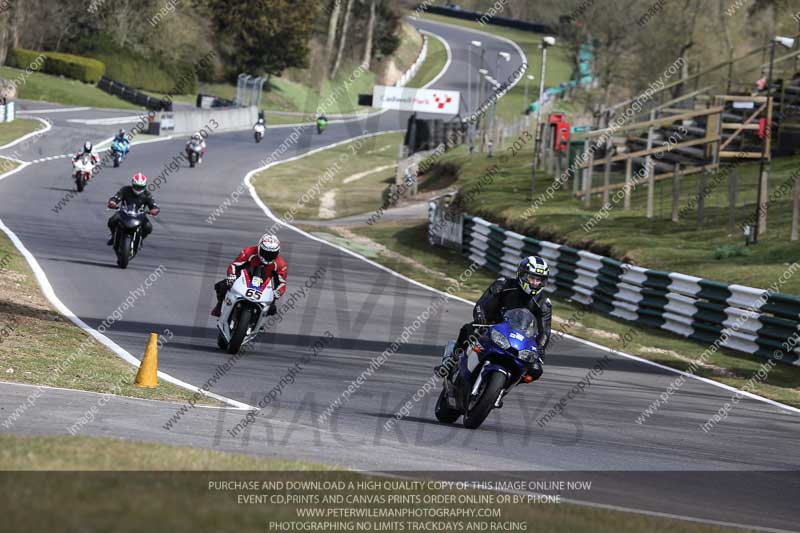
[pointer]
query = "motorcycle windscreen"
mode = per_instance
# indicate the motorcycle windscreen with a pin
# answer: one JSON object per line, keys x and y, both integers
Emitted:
{"x": 521, "y": 327}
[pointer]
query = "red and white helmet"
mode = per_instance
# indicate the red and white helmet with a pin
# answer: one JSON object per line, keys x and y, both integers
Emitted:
{"x": 139, "y": 183}
{"x": 268, "y": 248}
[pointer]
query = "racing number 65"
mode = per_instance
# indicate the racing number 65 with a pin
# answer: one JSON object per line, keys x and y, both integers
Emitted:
{"x": 252, "y": 293}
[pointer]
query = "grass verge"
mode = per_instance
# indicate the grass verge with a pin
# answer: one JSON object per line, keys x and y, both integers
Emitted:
{"x": 345, "y": 180}
{"x": 11, "y": 131}
{"x": 433, "y": 64}
{"x": 513, "y": 104}
{"x": 197, "y": 501}
{"x": 96, "y": 453}
{"x": 56, "y": 89}
{"x": 35, "y": 340}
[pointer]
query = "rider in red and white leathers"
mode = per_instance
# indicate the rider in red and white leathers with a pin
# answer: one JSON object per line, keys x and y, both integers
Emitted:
{"x": 87, "y": 150}
{"x": 267, "y": 253}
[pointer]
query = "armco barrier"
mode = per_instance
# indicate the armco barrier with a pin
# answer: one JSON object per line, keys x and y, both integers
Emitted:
{"x": 476, "y": 16}
{"x": 130, "y": 94}
{"x": 209, "y": 101}
{"x": 755, "y": 321}
{"x": 215, "y": 120}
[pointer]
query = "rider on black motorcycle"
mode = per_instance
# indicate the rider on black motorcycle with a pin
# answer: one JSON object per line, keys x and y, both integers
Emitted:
{"x": 527, "y": 291}
{"x": 136, "y": 196}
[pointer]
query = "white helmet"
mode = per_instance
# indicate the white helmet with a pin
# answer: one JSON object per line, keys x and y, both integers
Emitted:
{"x": 268, "y": 248}
{"x": 532, "y": 274}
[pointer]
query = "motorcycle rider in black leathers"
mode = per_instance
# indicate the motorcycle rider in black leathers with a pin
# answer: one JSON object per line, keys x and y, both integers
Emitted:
{"x": 526, "y": 290}
{"x": 134, "y": 195}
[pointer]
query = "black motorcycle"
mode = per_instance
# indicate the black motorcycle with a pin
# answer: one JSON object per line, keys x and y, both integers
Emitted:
{"x": 128, "y": 233}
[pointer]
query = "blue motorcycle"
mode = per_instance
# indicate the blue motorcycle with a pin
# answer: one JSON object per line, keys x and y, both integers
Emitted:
{"x": 119, "y": 150}
{"x": 490, "y": 367}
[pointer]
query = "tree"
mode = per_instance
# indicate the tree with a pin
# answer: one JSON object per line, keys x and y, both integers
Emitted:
{"x": 265, "y": 36}
{"x": 343, "y": 39}
{"x": 332, "y": 25}
{"x": 370, "y": 32}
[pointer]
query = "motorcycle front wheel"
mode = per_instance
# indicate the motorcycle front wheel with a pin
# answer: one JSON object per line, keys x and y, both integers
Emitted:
{"x": 480, "y": 407}
{"x": 79, "y": 183}
{"x": 192, "y": 159}
{"x": 240, "y": 330}
{"x": 124, "y": 251}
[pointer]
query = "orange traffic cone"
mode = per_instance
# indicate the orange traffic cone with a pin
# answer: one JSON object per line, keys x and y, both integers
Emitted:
{"x": 147, "y": 377}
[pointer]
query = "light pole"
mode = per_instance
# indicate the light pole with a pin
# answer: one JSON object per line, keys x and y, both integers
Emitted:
{"x": 760, "y": 221}
{"x": 497, "y": 87}
{"x": 546, "y": 41}
{"x": 529, "y": 77}
{"x": 476, "y": 44}
{"x": 504, "y": 55}
{"x": 481, "y": 83}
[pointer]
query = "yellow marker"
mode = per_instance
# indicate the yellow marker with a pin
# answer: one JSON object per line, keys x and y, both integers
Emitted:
{"x": 147, "y": 377}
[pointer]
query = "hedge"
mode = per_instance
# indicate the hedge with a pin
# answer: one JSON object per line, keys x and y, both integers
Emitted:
{"x": 71, "y": 66}
{"x": 140, "y": 73}
{"x": 76, "y": 67}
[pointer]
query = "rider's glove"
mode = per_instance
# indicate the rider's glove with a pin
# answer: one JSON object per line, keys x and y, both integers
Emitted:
{"x": 230, "y": 279}
{"x": 155, "y": 211}
{"x": 112, "y": 204}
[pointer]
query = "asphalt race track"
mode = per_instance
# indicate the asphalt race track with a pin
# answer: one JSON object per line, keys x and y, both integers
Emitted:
{"x": 357, "y": 310}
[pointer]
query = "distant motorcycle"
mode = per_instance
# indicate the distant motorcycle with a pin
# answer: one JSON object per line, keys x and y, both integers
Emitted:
{"x": 244, "y": 309}
{"x": 120, "y": 151}
{"x": 322, "y": 125}
{"x": 194, "y": 151}
{"x": 83, "y": 168}
{"x": 128, "y": 232}
{"x": 259, "y": 131}
{"x": 489, "y": 368}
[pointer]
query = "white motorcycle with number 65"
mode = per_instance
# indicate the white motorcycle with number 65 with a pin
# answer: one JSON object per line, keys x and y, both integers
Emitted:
{"x": 244, "y": 310}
